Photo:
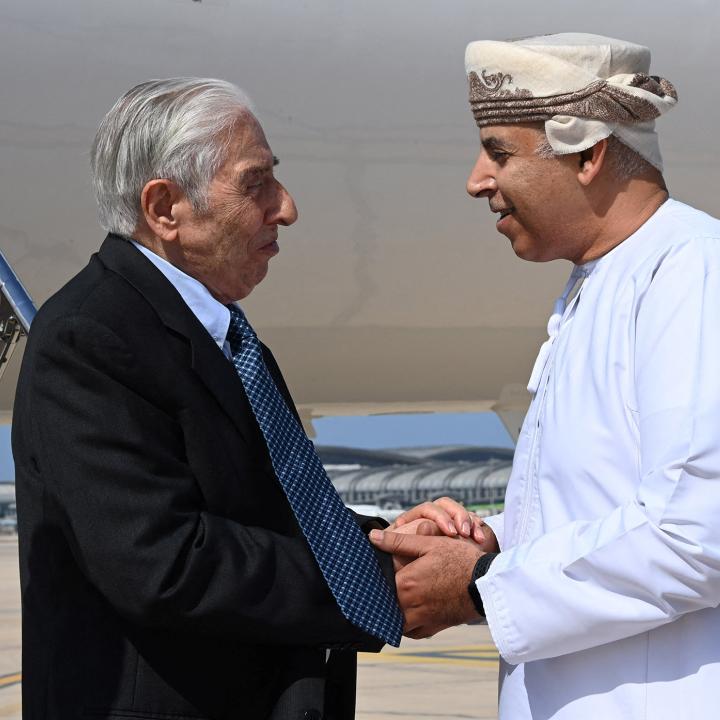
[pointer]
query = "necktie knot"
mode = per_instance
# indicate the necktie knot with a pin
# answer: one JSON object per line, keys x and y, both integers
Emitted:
{"x": 239, "y": 328}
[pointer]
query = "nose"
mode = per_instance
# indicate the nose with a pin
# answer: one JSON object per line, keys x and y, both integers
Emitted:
{"x": 286, "y": 211}
{"x": 481, "y": 182}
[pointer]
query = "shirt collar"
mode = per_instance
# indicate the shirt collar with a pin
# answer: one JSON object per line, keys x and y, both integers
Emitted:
{"x": 211, "y": 313}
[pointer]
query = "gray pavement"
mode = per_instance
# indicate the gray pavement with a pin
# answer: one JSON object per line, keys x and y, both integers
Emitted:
{"x": 452, "y": 676}
{"x": 9, "y": 629}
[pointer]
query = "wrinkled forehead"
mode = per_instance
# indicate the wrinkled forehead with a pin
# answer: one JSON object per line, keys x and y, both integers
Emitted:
{"x": 247, "y": 130}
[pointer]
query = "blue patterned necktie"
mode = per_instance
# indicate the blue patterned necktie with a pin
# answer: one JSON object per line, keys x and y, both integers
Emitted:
{"x": 344, "y": 555}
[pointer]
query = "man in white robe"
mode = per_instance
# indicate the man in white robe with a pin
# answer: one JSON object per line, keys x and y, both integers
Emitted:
{"x": 602, "y": 581}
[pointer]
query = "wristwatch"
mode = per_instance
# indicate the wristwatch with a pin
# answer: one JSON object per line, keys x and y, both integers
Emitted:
{"x": 481, "y": 567}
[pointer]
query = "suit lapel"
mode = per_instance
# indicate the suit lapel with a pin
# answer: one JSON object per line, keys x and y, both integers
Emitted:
{"x": 211, "y": 366}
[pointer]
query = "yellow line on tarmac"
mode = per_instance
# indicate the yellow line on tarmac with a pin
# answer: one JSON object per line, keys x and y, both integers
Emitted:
{"x": 439, "y": 649}
{"x": 12, "y": 679}
{"x": 486, "y": 647}
{"x": 410, "y": 660}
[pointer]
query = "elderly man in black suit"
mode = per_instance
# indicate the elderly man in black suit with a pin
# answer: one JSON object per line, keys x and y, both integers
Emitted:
{"x": 182, "y": 553}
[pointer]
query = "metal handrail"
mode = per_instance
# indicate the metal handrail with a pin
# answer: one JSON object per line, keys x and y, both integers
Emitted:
{"x": 20, "y": 301}
{"x": 17, "y": 312}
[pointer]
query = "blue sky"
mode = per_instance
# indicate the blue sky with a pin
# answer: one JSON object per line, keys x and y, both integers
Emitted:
{"x": 7, "y": 473}
{"x": 375, "y": 431}
{"x": 418, "y": 429}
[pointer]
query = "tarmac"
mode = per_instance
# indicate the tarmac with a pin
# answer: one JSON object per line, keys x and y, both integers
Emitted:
{"x": 452, "y": 676}
{"x": 9, "y": 629}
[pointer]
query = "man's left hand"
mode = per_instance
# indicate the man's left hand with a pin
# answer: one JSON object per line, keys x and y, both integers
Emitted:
{"x": 432, "y": 586}
{"x": 452, "y": 517}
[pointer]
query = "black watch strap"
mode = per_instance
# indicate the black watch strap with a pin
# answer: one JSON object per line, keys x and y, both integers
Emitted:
{"x": 481, "y": 567}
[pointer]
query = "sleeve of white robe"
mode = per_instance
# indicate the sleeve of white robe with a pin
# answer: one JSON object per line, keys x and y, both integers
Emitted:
{"x": 497, "y": 525}
{"x": 658, "y": 556}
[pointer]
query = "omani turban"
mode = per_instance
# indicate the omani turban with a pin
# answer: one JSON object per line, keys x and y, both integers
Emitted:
{"x": 583, "y": 87}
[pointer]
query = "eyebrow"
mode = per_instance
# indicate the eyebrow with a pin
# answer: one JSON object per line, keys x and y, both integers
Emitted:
{"x": 493, "y": 143}
{"x": 258, "y": 169}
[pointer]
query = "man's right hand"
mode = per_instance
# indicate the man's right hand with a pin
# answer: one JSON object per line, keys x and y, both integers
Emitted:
{"x": 432, "y": 581}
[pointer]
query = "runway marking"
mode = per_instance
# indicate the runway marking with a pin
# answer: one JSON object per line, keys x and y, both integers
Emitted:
{"x": 463, "y": 655}
{"x": 11, "y": 679}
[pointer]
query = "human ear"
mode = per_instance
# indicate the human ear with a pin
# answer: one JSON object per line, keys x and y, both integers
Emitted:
{"x": 158, "y": 203}
{"x": 591, "y": 162}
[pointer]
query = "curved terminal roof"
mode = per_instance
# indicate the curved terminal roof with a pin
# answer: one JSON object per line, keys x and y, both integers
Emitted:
{"x": 405, "y": 477}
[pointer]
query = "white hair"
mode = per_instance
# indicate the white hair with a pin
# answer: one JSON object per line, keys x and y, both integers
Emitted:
{"x": 176, "y": 129}
{"x": 624, "y": 162}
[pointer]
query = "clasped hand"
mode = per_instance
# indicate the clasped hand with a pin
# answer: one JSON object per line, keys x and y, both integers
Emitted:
{"x": 435, "y": 547}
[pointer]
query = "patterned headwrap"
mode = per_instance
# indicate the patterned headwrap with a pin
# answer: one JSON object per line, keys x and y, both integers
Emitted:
{"x": 583, "y": 87}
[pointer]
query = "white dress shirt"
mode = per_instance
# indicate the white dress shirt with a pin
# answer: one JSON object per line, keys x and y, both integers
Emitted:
{"x": 211, "y": 313}
{"x": 604, "y": 600}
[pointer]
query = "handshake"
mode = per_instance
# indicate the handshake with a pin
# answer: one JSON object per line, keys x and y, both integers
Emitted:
{"x": 435, "y": 548}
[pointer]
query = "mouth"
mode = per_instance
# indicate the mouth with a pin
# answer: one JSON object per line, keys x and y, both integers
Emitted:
{"x": 271, "y": 247}
{"x": 503, "y": 213}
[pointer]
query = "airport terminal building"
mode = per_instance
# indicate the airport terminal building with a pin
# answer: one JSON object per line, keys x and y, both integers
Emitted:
{"x": 404, "y": 477}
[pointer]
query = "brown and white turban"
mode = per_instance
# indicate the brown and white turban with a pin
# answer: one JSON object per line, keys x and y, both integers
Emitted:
{"x": 583, "y": 87}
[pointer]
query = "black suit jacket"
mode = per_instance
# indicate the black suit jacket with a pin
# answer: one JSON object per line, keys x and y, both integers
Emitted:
{"x": 163, "y": 572}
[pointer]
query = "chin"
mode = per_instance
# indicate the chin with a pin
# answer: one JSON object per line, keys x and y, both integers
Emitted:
{"x": 251, "y": 282}
{"x": 261, "y": 273}
{"x": 251, "y": 277}
{"x": 527, "y": 249}
{"x": 525, "y": 254}
{"x": 531, "y": 256}
{"x": 521, "y": 249}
